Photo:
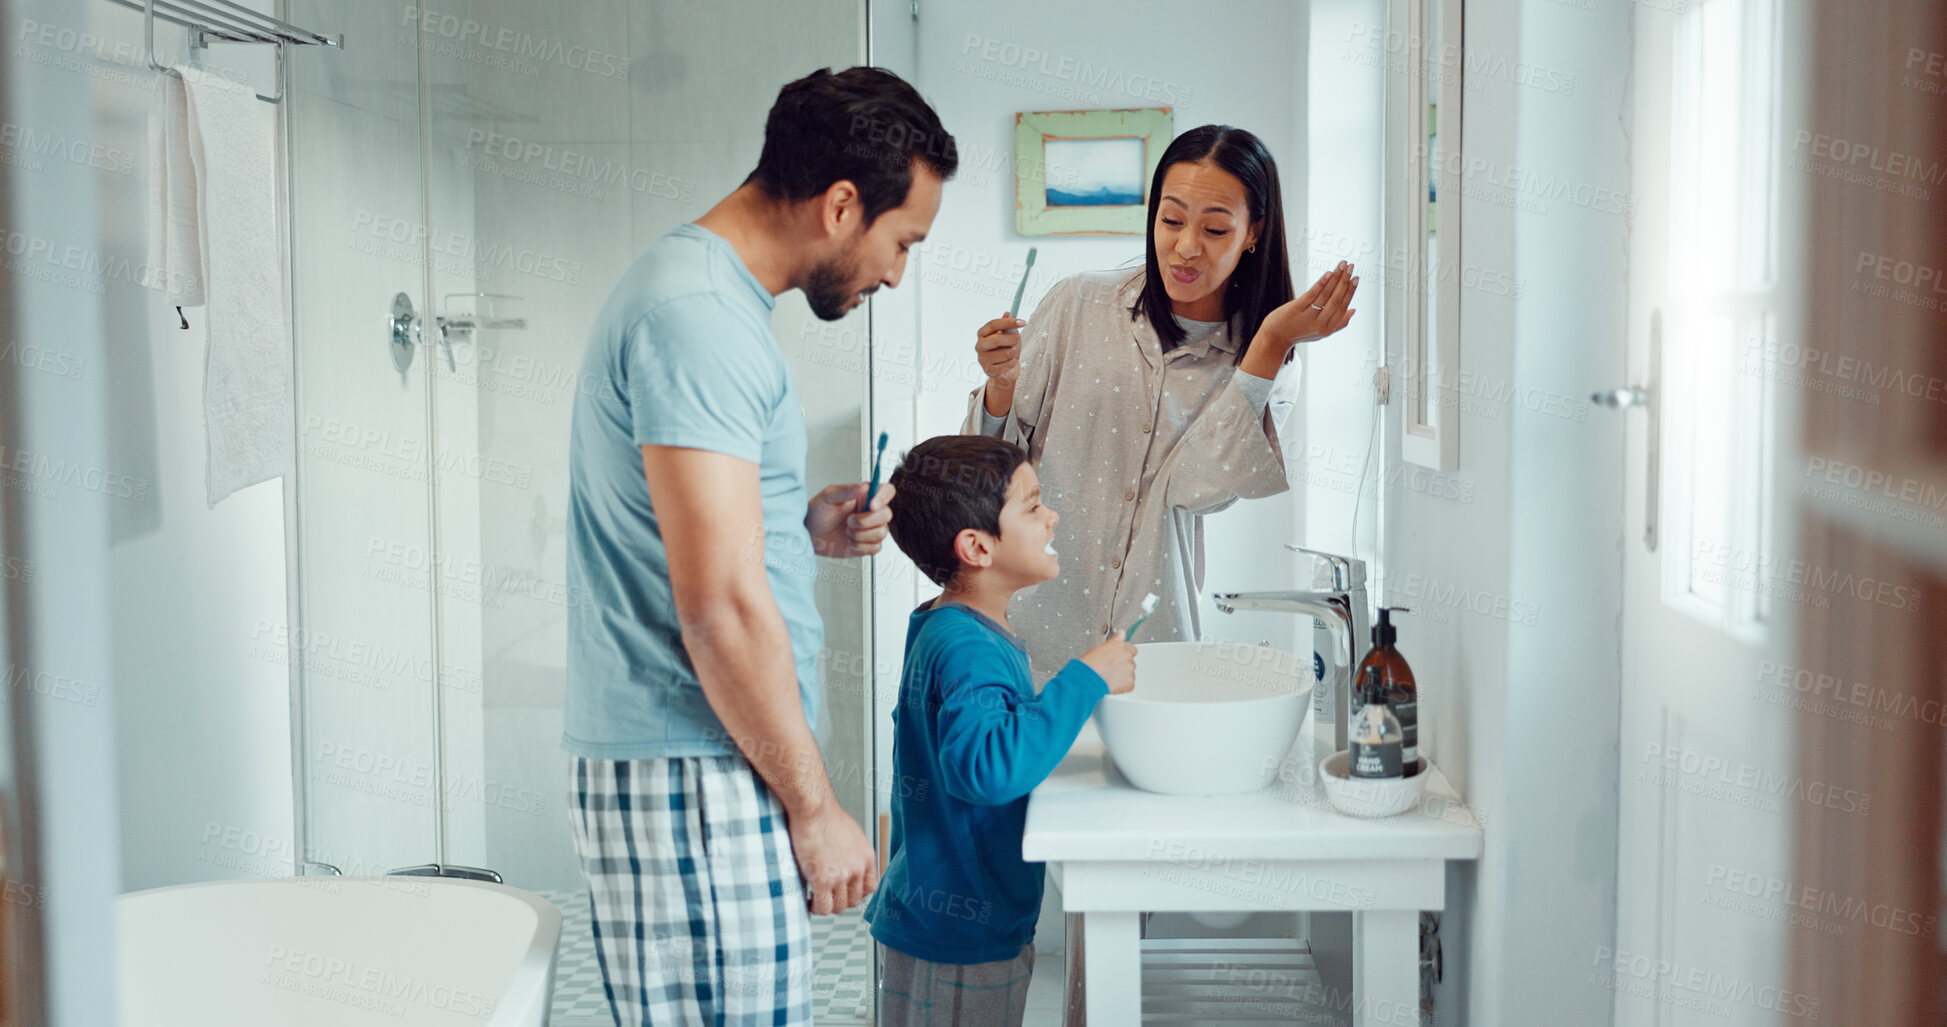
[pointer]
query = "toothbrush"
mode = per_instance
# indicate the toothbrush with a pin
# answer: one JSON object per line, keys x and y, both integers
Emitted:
{"x": 1021, "y": 290}
{"x": 873, "y": 489}
{"x": 1149, "y": 607}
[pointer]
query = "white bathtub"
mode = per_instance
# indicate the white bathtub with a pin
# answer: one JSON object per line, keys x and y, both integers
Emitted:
{"x": 337, "y": 951}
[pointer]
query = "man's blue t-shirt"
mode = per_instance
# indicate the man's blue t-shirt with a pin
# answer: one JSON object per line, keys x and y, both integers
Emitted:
{"x": 970, "y": 741}
{"x": 681, "y": 355}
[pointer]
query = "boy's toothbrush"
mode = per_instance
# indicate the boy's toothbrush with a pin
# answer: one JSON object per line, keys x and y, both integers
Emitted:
{"x": 873, "y": 489}
{"x": 1149, "y": 607}
{"x": 1021, "y": 290}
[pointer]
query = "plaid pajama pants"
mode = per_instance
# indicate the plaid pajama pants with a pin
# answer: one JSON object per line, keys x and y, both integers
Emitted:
{"x": 699, "y": 912}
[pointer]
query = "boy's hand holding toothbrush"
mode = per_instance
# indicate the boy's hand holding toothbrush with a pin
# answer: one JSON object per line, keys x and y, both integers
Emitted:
{"x": 1115, "y": 660}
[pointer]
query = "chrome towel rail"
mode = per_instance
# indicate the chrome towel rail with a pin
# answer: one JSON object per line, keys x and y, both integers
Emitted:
{"x": 225, "y": 21}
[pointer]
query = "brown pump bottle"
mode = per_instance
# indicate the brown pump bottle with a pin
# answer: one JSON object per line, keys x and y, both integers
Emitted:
{"x": 1401, "y": 693}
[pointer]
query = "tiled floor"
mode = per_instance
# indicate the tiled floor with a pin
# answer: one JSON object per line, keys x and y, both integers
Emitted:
{"x": 841, "y": 986}
{"x": 1179, "y": 984}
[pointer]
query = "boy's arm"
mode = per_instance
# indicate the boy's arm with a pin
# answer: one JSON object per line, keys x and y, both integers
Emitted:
{"x": 995, "y": 744}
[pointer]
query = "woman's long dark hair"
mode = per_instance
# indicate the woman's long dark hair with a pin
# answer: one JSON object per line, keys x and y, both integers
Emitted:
{"x": 1261, "y": 282}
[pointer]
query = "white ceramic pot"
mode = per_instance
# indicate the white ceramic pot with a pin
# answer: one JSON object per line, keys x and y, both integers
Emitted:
{"x": 1369, "y": 797}
{"x": 1206, "y": 718}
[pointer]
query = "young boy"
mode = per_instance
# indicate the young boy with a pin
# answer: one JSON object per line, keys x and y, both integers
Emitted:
{"x": 957, "y": 906}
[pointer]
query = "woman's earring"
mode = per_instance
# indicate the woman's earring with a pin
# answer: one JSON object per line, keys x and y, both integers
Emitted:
{"x": 1252, "y": 248}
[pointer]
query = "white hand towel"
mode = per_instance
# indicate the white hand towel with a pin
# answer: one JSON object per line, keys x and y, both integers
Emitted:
{"x": 175, "y": 230}
{"x": 247, "y": 371}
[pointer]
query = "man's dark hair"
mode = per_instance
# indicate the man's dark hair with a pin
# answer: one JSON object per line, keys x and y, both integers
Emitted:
{"x": 945, "y": 485}
{"x": 863, "y": 125}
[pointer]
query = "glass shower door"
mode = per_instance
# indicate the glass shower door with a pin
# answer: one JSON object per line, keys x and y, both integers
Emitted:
{"x": 362, "y": 643}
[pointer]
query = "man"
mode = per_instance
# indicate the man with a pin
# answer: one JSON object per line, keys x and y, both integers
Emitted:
{"x": 703, "y": 814}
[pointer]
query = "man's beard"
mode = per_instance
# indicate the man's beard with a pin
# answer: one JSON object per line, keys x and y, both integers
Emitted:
{"x": 828, "y": 289}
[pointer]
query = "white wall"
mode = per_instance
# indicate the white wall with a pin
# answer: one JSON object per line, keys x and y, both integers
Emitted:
{"x": 202, "y": 727}
{"x": 979, "y": 66}
{"x": 1517, "y": 591}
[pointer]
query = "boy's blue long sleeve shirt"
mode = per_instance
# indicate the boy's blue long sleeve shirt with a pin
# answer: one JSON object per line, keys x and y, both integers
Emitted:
{"x": 971, "y": 739}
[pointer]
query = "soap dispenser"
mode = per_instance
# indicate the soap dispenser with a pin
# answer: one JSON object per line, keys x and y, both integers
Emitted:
{"x": 1397, "y": 678}
{"x": 1374, "y": 742}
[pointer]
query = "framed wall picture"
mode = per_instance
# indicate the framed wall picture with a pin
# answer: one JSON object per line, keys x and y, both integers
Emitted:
{"x": 1086, "y": 172}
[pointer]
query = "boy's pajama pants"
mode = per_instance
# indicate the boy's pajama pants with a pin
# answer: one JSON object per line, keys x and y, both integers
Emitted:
{"x": 918, "y": 993}
{"x": 699, "y": 912}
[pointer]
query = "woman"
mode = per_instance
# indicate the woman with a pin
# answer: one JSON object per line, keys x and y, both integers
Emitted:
{"x": 1149, "y": 398}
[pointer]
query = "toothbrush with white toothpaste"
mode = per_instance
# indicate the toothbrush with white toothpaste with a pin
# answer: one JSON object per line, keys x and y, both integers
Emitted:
{"x": 1149, "y": 607}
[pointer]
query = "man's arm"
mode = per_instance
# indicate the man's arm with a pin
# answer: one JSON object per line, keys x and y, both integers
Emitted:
{"x": 710, "y": 509}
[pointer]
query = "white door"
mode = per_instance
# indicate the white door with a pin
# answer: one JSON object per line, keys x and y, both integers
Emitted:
{"x": 1707, "y": 780}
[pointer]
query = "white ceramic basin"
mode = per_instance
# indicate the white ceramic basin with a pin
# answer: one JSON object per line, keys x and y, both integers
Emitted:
{"x": 1206, "y": 718}
{"x": 336, "y": 952}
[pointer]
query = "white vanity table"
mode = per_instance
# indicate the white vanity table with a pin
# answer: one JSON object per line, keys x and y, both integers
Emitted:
{"x": 1118, "y": 852}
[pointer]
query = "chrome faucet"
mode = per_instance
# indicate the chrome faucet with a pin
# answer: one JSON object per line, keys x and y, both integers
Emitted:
{"x": 1337, "y": 602}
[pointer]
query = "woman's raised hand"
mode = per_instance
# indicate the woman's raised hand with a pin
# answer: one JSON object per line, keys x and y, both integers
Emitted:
{"x": 1321, "y": 311}
{"x": 998, "y": 348}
